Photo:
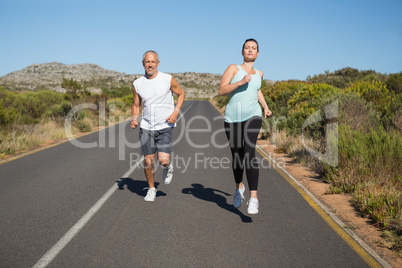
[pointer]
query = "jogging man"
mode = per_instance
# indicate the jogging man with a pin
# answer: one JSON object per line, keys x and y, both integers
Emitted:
{"x": 155, "y": 91}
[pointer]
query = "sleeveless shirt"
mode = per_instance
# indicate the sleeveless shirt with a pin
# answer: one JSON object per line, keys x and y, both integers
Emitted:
{"x": 243, "y": 103}
{"x": 157, "y": 101}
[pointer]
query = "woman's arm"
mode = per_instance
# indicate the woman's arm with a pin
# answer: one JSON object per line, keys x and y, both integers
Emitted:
{"x": 261, "y": 99}
{"x": 225, "y": 87}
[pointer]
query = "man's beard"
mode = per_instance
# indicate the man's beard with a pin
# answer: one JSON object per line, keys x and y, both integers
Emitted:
{"x": 151, "y": 74}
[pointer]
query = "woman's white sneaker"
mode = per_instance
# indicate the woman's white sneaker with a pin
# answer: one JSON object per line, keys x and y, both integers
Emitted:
{"x": 151, "y": 194}
{"x": 252, "y": 206}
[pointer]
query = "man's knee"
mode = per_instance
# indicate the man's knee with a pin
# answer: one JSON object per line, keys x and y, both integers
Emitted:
{"x": 148, "y": 162}
{"x": 164, "y": 160}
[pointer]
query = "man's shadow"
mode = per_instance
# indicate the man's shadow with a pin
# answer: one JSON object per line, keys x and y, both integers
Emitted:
{"x": 208, "y": 194}
{"x": 137, "y": 187}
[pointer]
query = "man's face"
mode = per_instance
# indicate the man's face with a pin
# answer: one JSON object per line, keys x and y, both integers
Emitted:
{"x": 150, "y": 64}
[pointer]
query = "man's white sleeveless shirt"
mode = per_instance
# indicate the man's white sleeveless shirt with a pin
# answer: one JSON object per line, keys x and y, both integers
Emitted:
{"x": 157, "y": 101}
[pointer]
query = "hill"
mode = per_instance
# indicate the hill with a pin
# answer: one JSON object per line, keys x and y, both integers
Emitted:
{"x": 96, "y": 78}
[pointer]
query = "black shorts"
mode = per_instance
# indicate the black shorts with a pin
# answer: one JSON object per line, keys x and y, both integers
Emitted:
{"x": 156, "y": 140}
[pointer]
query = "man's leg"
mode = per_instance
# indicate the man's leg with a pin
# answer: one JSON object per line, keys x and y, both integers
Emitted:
{"x": 164, "y": 159}
{"x": 164, "y": 146}
{"x": 149, "y": 161}
{"x": 148, "y": 150}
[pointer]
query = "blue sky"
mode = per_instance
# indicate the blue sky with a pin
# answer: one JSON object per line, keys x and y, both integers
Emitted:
{"x": 297, "y": 38}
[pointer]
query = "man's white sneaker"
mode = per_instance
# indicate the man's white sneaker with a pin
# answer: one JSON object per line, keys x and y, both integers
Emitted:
{"x": 168, "y": 174}
{"x": 238, "y": 197}
{"x": 151, "y": 194}
{"x": 252, "y": 206}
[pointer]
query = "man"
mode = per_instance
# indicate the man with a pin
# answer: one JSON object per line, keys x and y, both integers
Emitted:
{"x": 155, "y": 91}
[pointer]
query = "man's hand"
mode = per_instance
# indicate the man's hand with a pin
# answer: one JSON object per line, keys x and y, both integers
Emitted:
{"x": 134, "y": 123}
{"x": 172, "y": 118}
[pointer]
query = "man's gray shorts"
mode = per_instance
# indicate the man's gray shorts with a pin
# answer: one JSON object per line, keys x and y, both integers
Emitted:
{"x": 156, "y": 140}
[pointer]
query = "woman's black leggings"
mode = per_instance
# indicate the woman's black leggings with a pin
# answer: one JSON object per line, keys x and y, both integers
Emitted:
{"x": 242, "y": 137}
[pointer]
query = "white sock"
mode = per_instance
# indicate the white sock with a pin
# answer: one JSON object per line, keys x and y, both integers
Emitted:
{"x": 241, "y": 190}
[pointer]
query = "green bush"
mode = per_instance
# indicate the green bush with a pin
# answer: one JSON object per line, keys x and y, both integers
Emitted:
{"x": 118, "y": 103}
{"x": 353, "y": 110}
{"x": 304, "y": 103}
{"x": 83, "y": 126}
{"x": 118, "y": 92}
{"x": 375, "y": 92}
{"x": 8, "y": 113}
{"x": 394, "y": 82}
{"x": 281, "y": 92}
{"x": 222, "y": 100}
{"x": 128, "y": 100}
{"x": 369, "y": 167}
{"x": 346, "y": 76}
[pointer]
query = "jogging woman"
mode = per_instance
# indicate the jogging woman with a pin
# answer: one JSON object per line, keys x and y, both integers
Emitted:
{"x": 243, "y": 120}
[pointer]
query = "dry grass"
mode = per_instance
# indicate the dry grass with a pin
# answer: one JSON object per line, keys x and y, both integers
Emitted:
{"x": 296, "y": 148}
{"x": 371, "y": 176}
{"x": 18, "y": 138}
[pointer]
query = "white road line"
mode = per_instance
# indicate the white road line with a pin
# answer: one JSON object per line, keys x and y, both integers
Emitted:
{"x": 55, "y": 250}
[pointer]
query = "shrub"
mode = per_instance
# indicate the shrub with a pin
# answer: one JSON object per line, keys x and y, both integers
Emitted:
{"x": 222, "y": 100}
{"x": 394, "y": 82}
{"x": 83, "y": 126}
{"x": 118, "y": 103}
{"x": 369, "y": 166}
{"x": 353, "y": 110}
{"x": 375, "y": 92}
{"x": 281, "y": 92}
{"x": 128, "y": 100}
{"x": 395, "y": 111}
{"x": 343, "y": 77}
{"x": 304, "y": 103}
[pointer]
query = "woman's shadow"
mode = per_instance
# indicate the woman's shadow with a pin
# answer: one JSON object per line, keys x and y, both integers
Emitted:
{"x": 208, "y": 194}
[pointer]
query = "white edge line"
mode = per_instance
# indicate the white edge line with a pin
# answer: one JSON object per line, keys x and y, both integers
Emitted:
{"x": 58, "y": 247}
{"x": 341, "y": 224}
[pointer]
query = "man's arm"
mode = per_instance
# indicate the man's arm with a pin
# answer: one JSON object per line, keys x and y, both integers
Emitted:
{"x": 176, "y": 89}
{"x": 135, "y": 109}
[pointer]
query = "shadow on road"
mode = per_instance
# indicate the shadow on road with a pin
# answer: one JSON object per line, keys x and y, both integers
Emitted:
{"x": 208, "y": 194}
{"x": 137, "y": 187}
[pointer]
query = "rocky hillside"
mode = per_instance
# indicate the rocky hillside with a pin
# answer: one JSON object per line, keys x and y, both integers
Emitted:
{"x": 50, "y": 76}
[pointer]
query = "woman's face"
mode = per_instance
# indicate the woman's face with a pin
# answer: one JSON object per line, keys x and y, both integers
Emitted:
{"x": 250, "y": 51}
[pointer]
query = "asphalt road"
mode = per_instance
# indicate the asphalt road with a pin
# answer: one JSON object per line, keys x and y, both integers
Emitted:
{"x": 45, "y": 198}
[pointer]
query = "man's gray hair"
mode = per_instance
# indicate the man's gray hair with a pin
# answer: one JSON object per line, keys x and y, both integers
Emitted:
{"x": 150, "y": 51}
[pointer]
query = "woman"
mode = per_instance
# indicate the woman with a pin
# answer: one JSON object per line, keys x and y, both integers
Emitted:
{"x": 243, "y": 121}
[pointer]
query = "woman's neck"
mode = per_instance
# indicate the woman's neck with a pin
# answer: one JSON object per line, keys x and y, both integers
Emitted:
{"x": 248, "y": 66}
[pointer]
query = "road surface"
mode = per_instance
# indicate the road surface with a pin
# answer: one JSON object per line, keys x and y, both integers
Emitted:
{"x": 69, "y": 206}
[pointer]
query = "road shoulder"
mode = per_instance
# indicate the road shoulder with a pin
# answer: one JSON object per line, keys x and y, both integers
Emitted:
{"x": 339, "y": 204}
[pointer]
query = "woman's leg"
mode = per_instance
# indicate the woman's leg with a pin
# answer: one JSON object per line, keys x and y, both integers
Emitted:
{"x": 234, "y": 133}
{"x": 251, "y": 130}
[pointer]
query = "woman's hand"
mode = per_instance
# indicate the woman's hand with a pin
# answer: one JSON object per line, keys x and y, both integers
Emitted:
{"x": 245, "y": 80}
{"x": 267, "y": 112}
